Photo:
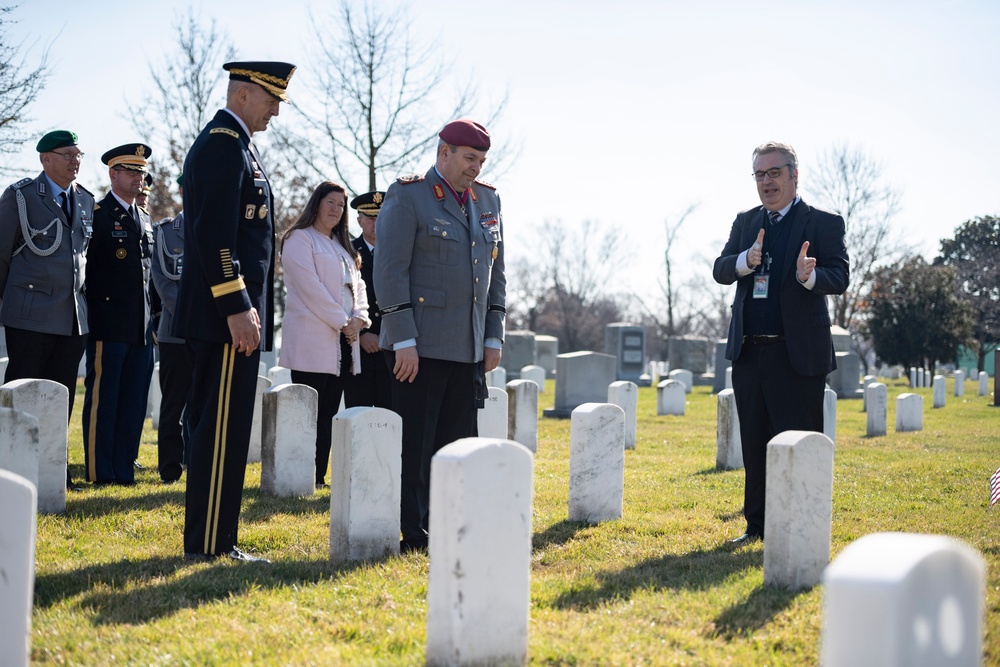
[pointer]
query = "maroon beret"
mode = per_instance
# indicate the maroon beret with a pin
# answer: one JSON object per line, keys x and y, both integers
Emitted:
{"x": 466, "y": 133}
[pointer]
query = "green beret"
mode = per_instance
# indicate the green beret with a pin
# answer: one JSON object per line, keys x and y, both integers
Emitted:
{"x": 56, "y": 139}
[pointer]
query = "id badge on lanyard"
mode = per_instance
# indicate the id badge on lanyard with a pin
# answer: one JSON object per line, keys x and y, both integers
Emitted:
{"x": 761, "y": 280}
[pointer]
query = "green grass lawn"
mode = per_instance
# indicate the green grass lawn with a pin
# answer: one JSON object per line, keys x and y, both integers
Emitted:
{"x": 658, "y": 587}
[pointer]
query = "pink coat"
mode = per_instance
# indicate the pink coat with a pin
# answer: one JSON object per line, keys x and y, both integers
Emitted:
{"x": 325, "y": 290}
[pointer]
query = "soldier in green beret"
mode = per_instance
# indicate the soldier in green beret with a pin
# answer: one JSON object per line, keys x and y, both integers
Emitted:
{"x": 45, "y": 226}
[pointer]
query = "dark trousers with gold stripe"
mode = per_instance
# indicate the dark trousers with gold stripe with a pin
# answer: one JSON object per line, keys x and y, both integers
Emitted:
{"x": 114, "y": 408}
{"x": 220, "y": 407}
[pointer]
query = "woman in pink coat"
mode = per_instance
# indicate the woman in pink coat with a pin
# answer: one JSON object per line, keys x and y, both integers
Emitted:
{"x": 325, "y": 309}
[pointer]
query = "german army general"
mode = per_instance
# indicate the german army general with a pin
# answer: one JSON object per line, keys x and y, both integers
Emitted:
{"x": 224, "y": 304}
{"x": 45, "y": 226}
{"x": 439, "y": 276}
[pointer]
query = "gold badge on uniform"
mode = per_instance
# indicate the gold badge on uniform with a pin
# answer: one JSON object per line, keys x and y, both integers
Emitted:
{"x": 250, "y": 211}
{"x": 120, "y": 253}
{"x": 495, "y": 251}
{"x": 262, "y": 213}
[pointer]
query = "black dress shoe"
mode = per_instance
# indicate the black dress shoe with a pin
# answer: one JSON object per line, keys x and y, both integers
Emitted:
{"x": 747, "y": 538}
{"x": 73, "y": 486}
{"x": 138, "y": 466}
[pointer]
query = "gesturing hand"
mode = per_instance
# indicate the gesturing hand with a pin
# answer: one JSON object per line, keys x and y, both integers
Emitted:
{"x": 753, "y": 254}
{"x": 805, "y": 264}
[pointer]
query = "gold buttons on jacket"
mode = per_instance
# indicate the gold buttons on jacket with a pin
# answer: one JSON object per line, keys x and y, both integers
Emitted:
{"x": 420, "y": 299}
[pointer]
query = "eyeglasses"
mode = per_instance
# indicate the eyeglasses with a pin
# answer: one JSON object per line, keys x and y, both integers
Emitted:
{"x": 70, "y": 157}
{"x": 770, "y": 173}
{"x": 129, "y": 172}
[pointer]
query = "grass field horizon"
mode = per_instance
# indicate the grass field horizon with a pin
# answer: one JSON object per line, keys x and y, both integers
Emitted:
{"x": 660, "y": 586}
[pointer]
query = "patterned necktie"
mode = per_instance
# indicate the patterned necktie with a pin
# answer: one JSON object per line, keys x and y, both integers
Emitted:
{"x": 774, "y": 216}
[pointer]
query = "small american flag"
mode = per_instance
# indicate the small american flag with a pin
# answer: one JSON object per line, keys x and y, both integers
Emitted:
{"x": 995, "y": 487}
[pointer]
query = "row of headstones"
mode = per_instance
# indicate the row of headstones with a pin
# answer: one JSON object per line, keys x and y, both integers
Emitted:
{"x": 921, "y": 378}
{"x": 909, "y": 417}
{"x": 890, "y": 599}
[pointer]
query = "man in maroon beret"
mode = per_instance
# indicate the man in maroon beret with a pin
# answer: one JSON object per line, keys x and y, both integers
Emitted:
{"x": 439, "y": 276}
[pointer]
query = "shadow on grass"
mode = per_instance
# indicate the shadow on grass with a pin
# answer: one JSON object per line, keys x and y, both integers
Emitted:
{"x": 763, "y": 604}
{"x": 139, "y": 591}
{"x": 557, "y": 534}
{"x": 713, "y": 471}
{"x": 259, "y": 507}
{"x": 93, "y": 504}
{"x": 697, "y": 570}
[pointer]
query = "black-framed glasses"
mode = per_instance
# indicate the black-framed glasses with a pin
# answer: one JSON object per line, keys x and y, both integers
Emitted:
{"x": 70, "y": 157}
{"x": 770, "y": 173}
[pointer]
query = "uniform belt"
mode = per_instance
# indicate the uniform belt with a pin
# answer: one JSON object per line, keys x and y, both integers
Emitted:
{"x": 763, "y": 340}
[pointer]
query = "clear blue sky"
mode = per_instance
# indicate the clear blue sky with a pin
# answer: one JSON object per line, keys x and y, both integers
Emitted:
{"x": 626, "y": 112}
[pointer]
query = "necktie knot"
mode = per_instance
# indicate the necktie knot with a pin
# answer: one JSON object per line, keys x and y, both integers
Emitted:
{"x": 774, "y": 216}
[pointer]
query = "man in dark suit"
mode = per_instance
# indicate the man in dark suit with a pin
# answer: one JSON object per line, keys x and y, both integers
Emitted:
{"x": 43, "y": 267}
{"x": 120, "y": 345}
{"x": 224, "y": 303}
{"x": 784, "y": 257}
{"x": 439, "y": 276}
{"x": 373, "y": 386}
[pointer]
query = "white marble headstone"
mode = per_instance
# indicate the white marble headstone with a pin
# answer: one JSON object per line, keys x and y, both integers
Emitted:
{"x": 479, "y": 583}
{"x": 288, "y": 441}
{"x": 253, "y": 455}
{"x": 497, "y": 377}
{"x": 866, "y": 382}
{"x": 798, "y": 509}
{"x": 984, "y": 383}
{"x": 492, "y": 417}
{"x": 47, "y": 401}
{"x": 155, "y": 397}
{"x": 728, "y": 444}
{"x": 596, "y": 462}
{"x": 939, "y": 391}
{"x": 683, "y": 376}
{"x": 729, "y": 377}
{"x": 522, "y": 413}
{"x": 959, "y": 383}
{"x": 17, "y": 566}
{"x": 913, "y": 377}
{"x": 920, "y": 377}
{"x": 19, "y": 443}
{"x": 279, "y": 375}
{"x": 536, "y": 374}
{"x": 625, "y": 395}
{"x": 830, "y": 414}
{"x": 904, "y": 600}
{"x": 877, "y": 397}
{"x": 3, "y": 367}
{"x": 365, "y": 467}
{"x": 909, "y": 412}
{"x": 670, "y": 398}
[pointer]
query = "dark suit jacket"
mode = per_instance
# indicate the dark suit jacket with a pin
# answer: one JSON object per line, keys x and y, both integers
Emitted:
{"x": 118, "y": 263}
{"x": 804, "y": 312}
{"x": 366, "y": 274}
{"x": 228, "y": 236}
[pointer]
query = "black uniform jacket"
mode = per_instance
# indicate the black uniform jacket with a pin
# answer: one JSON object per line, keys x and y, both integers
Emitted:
{"x": 229, "y": 235}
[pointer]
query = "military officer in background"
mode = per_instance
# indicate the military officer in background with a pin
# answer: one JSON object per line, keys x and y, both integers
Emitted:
{"x": 373, "y": 386}
{"x": 439, "y": 276}
{"x": 45, "y": 226}
{"x": 119, "y": 348}
{"x": 142, "y": 199}
{"x": 173, "y": 435}
{"x": 225, "y": 300}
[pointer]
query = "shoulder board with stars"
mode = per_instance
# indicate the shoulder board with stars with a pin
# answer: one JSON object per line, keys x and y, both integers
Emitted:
{"x": 412, "y": 178}
{"x": 485, "y": 184}
{"x": 225, "y": 130}
{"x": 21, "y": 183}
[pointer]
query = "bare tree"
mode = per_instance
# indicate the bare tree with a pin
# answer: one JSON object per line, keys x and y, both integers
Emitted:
{"x": 188, "y": 87}
{"x": 20, "y": 84}
{"x": 850, "y": 183}
{"x": 374, "y": 104}
{"x": 668, "y": 289}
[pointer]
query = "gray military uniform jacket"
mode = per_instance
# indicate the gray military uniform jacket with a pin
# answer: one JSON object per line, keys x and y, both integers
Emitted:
{"x": 42, "y": 282}
{"x": 439, "y": 273}
{"x": 168, "y": 262}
